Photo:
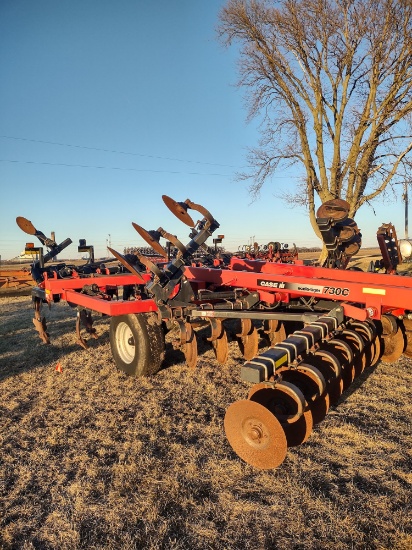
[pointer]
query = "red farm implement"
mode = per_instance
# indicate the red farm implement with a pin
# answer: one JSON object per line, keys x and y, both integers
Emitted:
{"x": 15, "y": 279}
{"x": 323, "y": 325}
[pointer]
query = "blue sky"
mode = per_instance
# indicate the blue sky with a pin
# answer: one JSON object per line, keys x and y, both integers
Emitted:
{"x": 105, "y": 106}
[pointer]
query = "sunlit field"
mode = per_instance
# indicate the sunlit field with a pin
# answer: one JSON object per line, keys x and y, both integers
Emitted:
{"x": 91, "y": 458}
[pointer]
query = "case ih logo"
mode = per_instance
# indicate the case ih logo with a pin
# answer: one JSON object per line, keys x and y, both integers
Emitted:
{"x": 271, "y": 284}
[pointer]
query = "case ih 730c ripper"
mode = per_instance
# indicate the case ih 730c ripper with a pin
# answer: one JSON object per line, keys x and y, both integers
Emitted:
{"x": 324, "y": 324}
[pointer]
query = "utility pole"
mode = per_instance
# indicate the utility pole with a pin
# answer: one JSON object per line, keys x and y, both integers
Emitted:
{"x": 405, "y": 198}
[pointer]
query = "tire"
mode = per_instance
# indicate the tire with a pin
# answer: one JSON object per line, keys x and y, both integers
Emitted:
{"x": 137, "y": 343}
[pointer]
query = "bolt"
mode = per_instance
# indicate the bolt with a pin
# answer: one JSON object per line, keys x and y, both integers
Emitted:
{"x": 371, "y": 311}
{"x": 256, "y": 433}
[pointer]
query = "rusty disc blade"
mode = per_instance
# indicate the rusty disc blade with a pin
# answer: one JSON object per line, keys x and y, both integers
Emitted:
{"x": 249, "y": 344}
{"x": 335, "y": 209}
{"x": 275, "y": 331}
{"x": 330, "y": 366}
{"x": 307, "y": 378}
{"x": 392, "y": 346}
{"x": 349, "y": 230}
{"x": 352, "y": 248}
{"x": 151, "y": 241}
{"x": 335, "y": 390}
{"x": 372, "y": 326}
{"x": 343, "y": 351}
{"x": 346, "y": 234}
{"x": 407, "y": 328}
{"x": 190, "y": 351}
{"x": 255, "y": 434}
{"x": 179, "y": 209}
{"x": 299, "y": 432}
{"x": 375, "y": 343}
{"x": 368, "y": 335}
{"x": 376, "y": 351}
{"x": 355, "y": 340}
{"x": 320, "y": 408}
{"x": 261, "y": 386}
{"x": 284, "y": 400}
{"x": 220, "y": 347}
{"x": 25, "y": 225}
{"x": 125, "y": 263}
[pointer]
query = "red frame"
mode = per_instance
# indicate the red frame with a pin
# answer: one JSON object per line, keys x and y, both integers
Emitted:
{"x": 375, "y": 293}
{"x": 378, "y": 293}
{"x": 66, "y": 289}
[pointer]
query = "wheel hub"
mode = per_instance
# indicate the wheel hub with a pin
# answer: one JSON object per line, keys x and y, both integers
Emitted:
{"x": 125, "y": 343}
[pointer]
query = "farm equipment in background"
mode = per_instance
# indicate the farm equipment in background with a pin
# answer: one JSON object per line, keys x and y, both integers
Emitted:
{"x": 323, "y": 325}
{"x": 15, "y": 279}
{"x": 271, "y": 252}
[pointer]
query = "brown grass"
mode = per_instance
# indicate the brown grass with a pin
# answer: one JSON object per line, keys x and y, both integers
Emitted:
{"x": 93, "y": 459}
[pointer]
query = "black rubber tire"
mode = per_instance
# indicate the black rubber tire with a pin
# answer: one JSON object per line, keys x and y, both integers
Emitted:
{"x": 137, "y": 343}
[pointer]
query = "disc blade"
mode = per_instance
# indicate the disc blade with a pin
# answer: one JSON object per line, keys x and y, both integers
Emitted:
{"x": 299, "y": 432}
{"x": 275, "y": 331}
{"x": 368, "y": 335}
{"x": 255, "y": 434}
{"x": 393, "y": 346}
{"x": 284, "y": 400}
{"x": 376, "y": 351}
{"x": 190, "y": 348}
{"x": 335, "y": 390}
{"x": 126, "y": 264}
{"x": 249, "y": 343}
{"x": 26, "y": 225}
{"x": 327, "y": 363}
{"x": 307, "y": 378}
{"x": 178, "y": 210}
{"x": 221, "y": 349}
{"x": 335, "y": 209}
{"x": 150, "y": 240}
{"x": 357, "y": 343}
{"x": 352, "y": 248}
{"x": 320, "y": 408}
{"x": 330, "y": 367}
{"x": 343, "y": 351}
{"x": 407, "y": 327}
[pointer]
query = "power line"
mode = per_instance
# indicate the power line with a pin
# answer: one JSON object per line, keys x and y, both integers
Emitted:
{"x": 115, "y": 151}
{"x": 113, "y": 168}
{"x": 124, "y": 153}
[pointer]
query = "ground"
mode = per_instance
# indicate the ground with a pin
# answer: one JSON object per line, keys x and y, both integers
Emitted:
{"x": 93, "y": 459}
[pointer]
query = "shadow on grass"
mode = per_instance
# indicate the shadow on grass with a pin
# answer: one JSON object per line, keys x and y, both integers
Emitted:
{"x": 21, "y": 350}
{"x": 357, "y": 383}
{"x": 174, "y": 354}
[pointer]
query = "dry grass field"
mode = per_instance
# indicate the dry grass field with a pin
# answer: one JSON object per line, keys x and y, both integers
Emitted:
{"x": 93, "y": 459}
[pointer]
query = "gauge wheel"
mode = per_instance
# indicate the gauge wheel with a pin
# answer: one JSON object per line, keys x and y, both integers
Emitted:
{"x": 137, "y": 343}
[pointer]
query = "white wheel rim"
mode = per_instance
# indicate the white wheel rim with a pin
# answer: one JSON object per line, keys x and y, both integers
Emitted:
{"x": 125, "y": 343}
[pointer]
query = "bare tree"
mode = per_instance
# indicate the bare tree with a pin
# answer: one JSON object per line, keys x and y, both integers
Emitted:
{"x": 333, "y": 82}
